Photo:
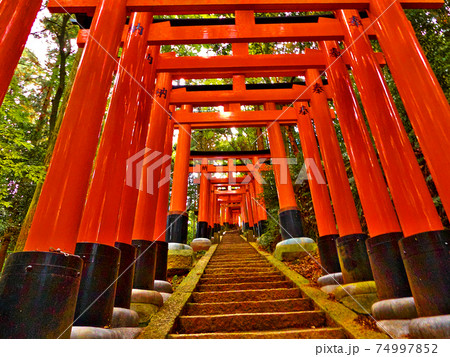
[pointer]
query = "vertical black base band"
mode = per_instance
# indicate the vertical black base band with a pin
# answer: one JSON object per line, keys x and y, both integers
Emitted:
{"x": 38, "y": 295}
{"x": 246, "y": 226}
{"x": 126, "y": 275}
{"x": 202, "y": 230}
{"x": 210, "y": 231}
{"x": 177, "y": 228}
{"x": 387, "y": 266}
{"x": 162, "y": 249}
{"x": 353, "y": 258}
{"x": 328, "y": 254}
{"x": 291, "y": 224}
{"x": 262, "y": 226}
{"x": 98, "y": 283}
{"x": 144, "y": 275}
{"x": 426, "y": 260}
{"x": 216, "y": 227}
{"x": 255, "y": 229}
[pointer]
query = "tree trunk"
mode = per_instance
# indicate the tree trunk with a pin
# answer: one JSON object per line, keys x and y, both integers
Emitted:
{"x": 4, "y": 244}
{"x": 26, "y": 225}
{"x": 260, "y": 139}
{"x": 290, "y": 135}
{"x": 62, "y": 71}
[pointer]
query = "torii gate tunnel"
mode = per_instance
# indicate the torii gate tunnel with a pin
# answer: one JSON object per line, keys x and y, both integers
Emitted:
{"x": 88, "y": 229}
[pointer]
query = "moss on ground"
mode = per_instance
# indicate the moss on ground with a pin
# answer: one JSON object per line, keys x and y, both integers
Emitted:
{"x": 337, "y": 314}
{"x": 162, "y": 323}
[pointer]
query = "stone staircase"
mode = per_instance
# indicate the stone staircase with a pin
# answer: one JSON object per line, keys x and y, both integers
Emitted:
{"x": 241, "y": 295}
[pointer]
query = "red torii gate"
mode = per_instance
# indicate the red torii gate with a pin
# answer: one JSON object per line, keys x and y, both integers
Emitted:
{"x": 203, "y": 227}
{"x": 56, "y": 225}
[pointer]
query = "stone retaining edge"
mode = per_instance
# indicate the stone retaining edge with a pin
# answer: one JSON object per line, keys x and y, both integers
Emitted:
{"x": 338, "y": 313}
{"x": 163, "y": 321}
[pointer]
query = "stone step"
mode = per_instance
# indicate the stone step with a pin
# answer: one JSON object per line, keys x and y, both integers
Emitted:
{"x": 240, "y": 262}
{"x": 221, "y": 308}
{"x": 237, "y": 261}
{"x": 240, "y": 265}
{"x": 236, "y": 250}
{"x": 250, "y": 322}
{"x": 317, "y": 333}
{"x": 239, "y": 279}
{"x": 245, "y": 295}
{"x": 242, "y": 274}
{"x": 238, "y": 270}
{"x": 244, "y": 286}
{"x": 230, "y": 255}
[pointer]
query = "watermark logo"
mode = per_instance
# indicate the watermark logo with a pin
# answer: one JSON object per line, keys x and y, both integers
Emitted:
{"x": 147, "y": 170}
{"x": 309, "y": 171}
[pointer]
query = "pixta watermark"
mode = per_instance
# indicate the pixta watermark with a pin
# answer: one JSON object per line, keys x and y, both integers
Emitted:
{"x": 142, "y": 166}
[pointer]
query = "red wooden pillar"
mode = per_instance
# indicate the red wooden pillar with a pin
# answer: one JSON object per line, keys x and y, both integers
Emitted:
{"x": 203, "y": 203}
{"x": 326, "y": 223}
{"x": 289, "y": 214}
{"x": 242, "y": 215}
{"x": 413, "y": 202}
{"x": 99, "y": 221}
{"x": 177, "y": 219}
{"x": 248, "y": 200}
{"x": 222, "y": 214}
{"x": 217, "y": 224}
{"x": 159, "y": 233}
{"x": 97, "y": 233}
{"x": 130, "y": 192}
{"x": 416, "y": 211}
{"x": 424, "y": 100}
{"x": 246, "y": 212}
{"x": 351, "y": 247}
{"x": 58, "y": 213}
{"x": 211, "y": 210}
{"x": 150, "y": 168}
{"x": 60, "y": 206}
{"x": 384, "y": 254}
{"x": 254, "y": 206}
{"x": 226, "y": 213}
{"x": 229, "y": 215}
{"x": 16, "y": 20}
{"x": 261, "y": 205}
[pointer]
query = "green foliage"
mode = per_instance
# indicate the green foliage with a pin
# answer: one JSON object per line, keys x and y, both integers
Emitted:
{"x": 22, "y": 141}
{"x": 272, "y": 236}
{"x": 28, "y": 115}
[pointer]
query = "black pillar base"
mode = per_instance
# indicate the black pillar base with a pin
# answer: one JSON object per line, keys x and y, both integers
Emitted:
{"x": 202, "y": 230}
{"x": 209, "y": 232}
{"x": 426, "y": 260}
{"x": 98, "y": 283}
{"x": 126, "y": 275}
{"x": 246, "y": 226}
{"x": 291, "y": 224}
{"x": 328, "y": 254}
{"x": 353, "y": 258}
{"x": 38, "y": 295}
{"x": 262, "y": 226}
{"x": 216, "y": 227}
{"x": 177, "y": 228}
{"x": 256, "y": 230}
{"x": 162, "y": 249}
{"x": 387, "y": 266}
{"x": 144, "y": 275}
